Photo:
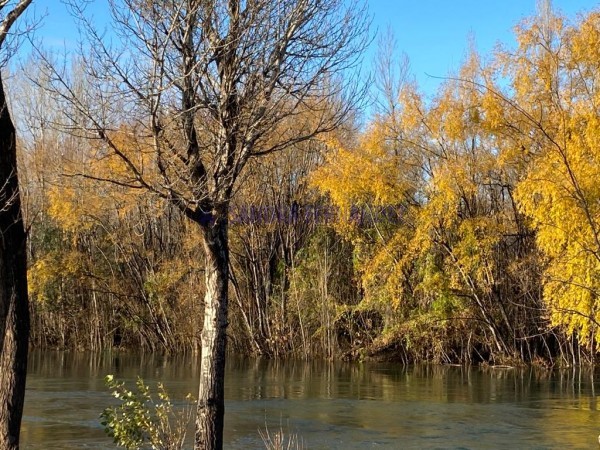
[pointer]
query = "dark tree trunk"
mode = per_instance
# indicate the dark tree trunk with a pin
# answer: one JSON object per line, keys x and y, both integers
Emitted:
{"x": 211, "y": 401}
{"x": 13, "y": 372}
{"x": 14, "y": 308}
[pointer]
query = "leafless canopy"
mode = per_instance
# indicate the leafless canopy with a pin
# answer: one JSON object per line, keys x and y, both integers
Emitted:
{"x": 10, "y": 11}
{"x": 206, "y": 84}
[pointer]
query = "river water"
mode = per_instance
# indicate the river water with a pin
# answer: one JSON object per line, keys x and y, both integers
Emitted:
{"x": 327, "y": 405}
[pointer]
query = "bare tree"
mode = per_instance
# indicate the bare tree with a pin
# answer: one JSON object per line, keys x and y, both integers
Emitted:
{"x": 14, "y": 308}
{"x": 203, "y": 86}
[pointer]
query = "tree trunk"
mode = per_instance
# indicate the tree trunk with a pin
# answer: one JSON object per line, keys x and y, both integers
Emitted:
{"x": 14, "y": 307}
{"x": 13, "y": 372}
{"x": 211, "y": 401}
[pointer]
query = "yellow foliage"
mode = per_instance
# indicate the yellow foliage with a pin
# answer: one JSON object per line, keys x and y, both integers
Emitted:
{"x": 83, "y": 200}
{"x": 44, "y": 277}
{"x": 441, "y": 164}
{"x": 560, "y": 190}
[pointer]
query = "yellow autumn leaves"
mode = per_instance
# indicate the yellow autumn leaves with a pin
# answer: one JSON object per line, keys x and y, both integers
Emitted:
{"x": 498, "y": 176}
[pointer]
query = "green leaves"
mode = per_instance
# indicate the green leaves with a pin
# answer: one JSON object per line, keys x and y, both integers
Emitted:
{"x": 140, "y": 422}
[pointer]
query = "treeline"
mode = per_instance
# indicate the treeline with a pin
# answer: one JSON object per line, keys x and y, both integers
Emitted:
{"x": 492, "y": 253}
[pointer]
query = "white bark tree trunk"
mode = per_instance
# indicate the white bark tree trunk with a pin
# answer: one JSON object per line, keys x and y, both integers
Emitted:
{"x": 211, "y": 403}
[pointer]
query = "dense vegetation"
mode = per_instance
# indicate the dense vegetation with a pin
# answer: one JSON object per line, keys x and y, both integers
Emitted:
{"x": 461, "y": 228}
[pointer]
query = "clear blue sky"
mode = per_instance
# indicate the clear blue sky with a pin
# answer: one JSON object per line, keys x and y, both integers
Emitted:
{"x": 433, "y": 33}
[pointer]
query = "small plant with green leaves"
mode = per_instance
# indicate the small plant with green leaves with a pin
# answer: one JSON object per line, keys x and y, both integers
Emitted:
{"x": 140, "y": 422}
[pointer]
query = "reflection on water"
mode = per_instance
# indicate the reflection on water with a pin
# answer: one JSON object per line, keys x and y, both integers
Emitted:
{"x": 329, "y": 405}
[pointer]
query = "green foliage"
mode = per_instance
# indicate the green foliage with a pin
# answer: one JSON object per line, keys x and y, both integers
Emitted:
{"x": 140, "y": 422}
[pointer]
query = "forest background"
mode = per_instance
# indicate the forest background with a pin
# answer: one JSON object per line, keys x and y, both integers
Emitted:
{"x": 460, "y": 225}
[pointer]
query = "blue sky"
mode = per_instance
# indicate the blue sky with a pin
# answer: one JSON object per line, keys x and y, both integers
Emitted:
{"x": 433, "y": 33}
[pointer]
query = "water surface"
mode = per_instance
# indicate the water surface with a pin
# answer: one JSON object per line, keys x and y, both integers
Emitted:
{"x": 328, "y": 405}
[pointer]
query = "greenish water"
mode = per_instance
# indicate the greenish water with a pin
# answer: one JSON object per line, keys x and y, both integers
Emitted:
{"x": 330, "y": 405}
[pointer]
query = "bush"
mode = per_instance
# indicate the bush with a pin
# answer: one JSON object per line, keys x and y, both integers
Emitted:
{"x": 139, "y": 422}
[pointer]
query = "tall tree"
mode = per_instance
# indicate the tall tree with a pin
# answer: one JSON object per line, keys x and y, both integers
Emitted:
{"x": 554, "y": 115}
{"x": 206, "y": 85}
{"x": 14, "y": 308}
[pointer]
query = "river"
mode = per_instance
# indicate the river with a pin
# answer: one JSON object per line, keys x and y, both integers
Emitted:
{"x": 327, "y": 405}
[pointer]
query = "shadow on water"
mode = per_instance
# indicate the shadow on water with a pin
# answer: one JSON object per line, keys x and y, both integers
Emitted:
{"x": 329, "y": 405}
